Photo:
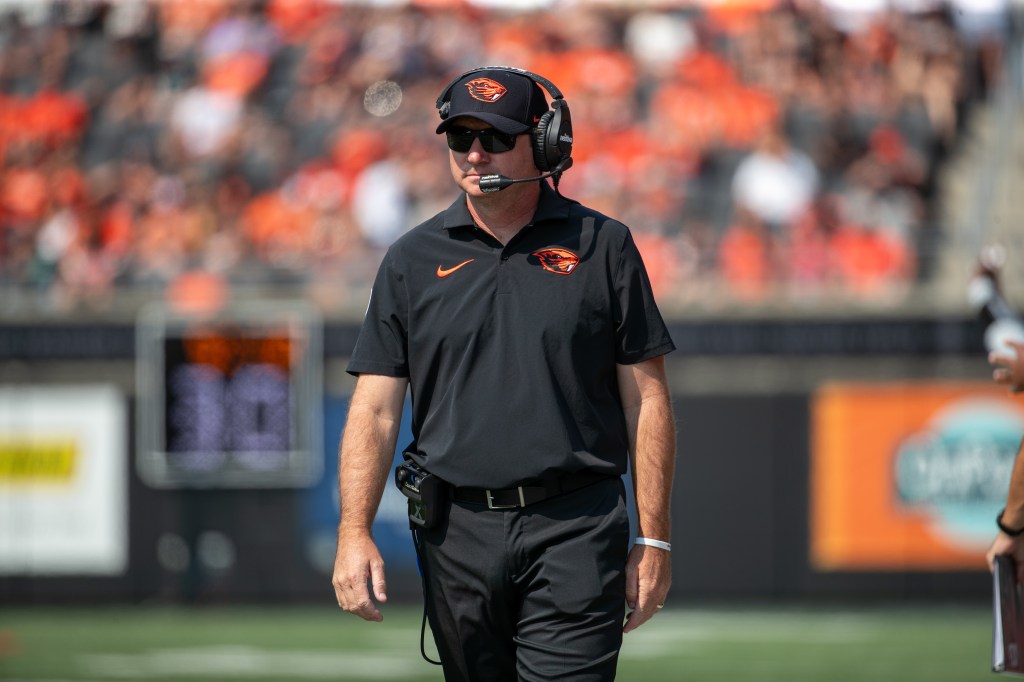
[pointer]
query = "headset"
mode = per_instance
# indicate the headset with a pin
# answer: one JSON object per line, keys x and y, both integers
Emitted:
{"x": 551, "y": 137}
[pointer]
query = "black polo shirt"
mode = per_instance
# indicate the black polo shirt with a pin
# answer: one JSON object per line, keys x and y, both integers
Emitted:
{"x": 511, "y": 350}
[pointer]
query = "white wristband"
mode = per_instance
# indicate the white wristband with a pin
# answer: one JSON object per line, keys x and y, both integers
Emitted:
{"x": 660, "y": 544}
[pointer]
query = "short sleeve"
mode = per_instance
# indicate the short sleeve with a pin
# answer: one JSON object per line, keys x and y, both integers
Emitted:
{"x": 640, "y": 331}
{"x": 382, "y": 346}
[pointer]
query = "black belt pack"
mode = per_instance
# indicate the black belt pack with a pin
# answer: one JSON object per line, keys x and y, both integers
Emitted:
{"x": 426, "y": 493}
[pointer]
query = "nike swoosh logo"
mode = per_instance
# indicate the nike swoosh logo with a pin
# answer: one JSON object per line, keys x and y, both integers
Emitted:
{"x": 441, "y": 272}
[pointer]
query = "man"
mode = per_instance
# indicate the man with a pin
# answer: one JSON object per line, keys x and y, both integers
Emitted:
{"x": 525, "y": 327}
{"x": 1009, "y": 371}
{"x": 1006, "y": 355}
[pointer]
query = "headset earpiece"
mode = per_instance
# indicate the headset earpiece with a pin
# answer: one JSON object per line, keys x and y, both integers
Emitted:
{"x": 552, "y": 142}
{"x": 541, "y": 147}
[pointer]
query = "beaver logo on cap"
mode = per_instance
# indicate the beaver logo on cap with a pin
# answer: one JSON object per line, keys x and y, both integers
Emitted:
{"x": 486, "y": 90}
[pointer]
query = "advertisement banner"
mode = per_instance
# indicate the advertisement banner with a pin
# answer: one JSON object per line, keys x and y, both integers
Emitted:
{"x": 909, "y": 475}
{"x": 63, "y": 481}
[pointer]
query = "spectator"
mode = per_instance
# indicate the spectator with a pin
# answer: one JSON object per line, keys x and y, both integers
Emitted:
{"x": 775, "y": 182}
{"x": 747, "y": 256}
{"x": 788, "y": 105}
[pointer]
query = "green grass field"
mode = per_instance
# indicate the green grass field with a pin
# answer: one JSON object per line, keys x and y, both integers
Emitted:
{"x": 278, "y": 644}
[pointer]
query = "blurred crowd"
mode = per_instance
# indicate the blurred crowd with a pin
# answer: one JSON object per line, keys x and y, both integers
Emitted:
{"x": 189, "y": 148}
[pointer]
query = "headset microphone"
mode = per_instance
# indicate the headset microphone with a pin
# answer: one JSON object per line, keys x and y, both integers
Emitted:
{"x": 496, "y": 183}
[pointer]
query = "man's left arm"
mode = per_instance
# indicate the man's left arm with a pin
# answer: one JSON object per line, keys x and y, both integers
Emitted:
{"x": 647, "y": 406}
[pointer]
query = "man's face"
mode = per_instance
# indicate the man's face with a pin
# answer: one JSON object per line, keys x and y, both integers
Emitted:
{"x": 467, "y": 167}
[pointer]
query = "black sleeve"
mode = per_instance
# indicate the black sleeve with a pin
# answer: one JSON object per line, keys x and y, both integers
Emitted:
{"x": 383, "y": 343}
{"x": 640, "y": 331}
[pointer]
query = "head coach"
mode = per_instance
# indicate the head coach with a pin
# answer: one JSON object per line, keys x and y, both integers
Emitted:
{"x": 524, "y": 325}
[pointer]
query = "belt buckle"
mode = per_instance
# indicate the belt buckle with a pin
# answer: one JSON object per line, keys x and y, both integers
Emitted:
{"x": 491, "y": 505}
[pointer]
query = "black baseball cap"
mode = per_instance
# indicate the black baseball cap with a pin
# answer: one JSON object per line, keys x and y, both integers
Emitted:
{"x": 510, "y": 102}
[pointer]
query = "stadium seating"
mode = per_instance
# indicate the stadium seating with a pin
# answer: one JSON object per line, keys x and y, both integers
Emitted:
{"x": 141, "y": 143}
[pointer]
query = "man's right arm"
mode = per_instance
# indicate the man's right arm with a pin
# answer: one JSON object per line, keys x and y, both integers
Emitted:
{"x": 367, "y": 449}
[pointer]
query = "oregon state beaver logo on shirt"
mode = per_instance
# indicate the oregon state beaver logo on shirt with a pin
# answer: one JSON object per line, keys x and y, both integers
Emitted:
{"x": 557, "y": 260}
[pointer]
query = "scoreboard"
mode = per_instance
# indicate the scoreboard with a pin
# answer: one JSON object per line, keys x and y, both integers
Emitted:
{"x": 230, "y": 401}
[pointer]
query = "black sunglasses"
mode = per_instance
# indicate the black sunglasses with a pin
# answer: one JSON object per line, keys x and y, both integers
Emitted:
{"x": 493, "y": 141}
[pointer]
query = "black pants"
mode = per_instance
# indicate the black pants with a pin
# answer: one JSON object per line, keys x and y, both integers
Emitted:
{"x": 530, "y": 594}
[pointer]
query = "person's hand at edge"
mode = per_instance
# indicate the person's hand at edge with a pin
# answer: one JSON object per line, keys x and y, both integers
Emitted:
{"x": 1009, "y": 367}
{"x": 1006, "y": 545}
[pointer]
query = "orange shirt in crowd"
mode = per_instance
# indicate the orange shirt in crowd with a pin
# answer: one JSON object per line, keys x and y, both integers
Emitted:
{"x": 50, "y": 117}
{"x": 744, "y": 260}
{"x": 53, "y": 116}
{"x": 737, "y": 16}
{"x": 746, "y": 114}
{"x": 296, "y": 18}
{"x": 685, "y": 118}
{"x": 869, "y": 259}
{"x": 609, "y": 73}
{"x": 24, "y": 193}
{"x": 191, "y": 17}
{"x": 236, "y": 74}
{"x": 276, "y": 225}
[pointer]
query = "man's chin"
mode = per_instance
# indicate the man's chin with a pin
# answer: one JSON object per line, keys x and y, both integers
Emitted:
{"x": 471, "y": 185}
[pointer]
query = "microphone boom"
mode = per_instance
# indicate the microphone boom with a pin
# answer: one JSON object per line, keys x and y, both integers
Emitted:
{"x": 496, "y": 183}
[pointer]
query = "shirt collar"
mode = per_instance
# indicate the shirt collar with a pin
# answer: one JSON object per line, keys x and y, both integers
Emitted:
{"x": 550, "y": 206}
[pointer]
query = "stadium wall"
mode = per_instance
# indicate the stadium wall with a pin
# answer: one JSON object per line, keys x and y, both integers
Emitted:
{"x": 776, "y": 433}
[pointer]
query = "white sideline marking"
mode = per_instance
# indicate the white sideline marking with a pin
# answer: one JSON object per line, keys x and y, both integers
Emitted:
{"x": 245, "y": 661}
{"x": 673, "y": 632}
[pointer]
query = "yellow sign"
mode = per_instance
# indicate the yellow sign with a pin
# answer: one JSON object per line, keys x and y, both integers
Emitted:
{"x": 26, "y": 459}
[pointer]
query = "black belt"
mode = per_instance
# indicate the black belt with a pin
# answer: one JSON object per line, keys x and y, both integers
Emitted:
{"x": 520, "y": 496}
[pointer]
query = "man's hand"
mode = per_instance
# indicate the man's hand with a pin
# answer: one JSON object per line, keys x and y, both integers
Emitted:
{"x": 1009, "y": 367}
{"x": 1004, "y": 544}
{"x": 648, "y": 579}
{"x": 358, "y": 563}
